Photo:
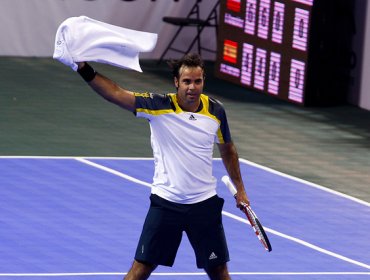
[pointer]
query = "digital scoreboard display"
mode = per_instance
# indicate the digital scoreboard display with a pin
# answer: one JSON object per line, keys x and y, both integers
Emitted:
{"x": 264, "y": 45}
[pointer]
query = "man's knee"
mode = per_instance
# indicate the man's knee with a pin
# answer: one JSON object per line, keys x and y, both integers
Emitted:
{"x": 140, "y": 271}
{"x": 219, "y": 272}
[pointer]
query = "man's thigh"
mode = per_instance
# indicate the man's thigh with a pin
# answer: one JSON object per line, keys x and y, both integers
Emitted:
{"x": 206, "y": 233}
{"x": 160, "y": 237}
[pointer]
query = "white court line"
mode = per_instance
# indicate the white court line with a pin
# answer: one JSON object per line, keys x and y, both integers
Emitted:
{"x": 291, "y": 238}
{"x": 270, "y": 170}
{"x": 174, "y": 274}
{"x": 115, "y": 172}
{"x": 307, "y": 183}
{"x": 300, "y": 241}
{"x": 73, "y": 157}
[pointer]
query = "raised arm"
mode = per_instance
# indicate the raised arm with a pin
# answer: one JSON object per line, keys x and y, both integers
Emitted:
{"x": 230, "y": 159}
{"x": 106, "y": 88}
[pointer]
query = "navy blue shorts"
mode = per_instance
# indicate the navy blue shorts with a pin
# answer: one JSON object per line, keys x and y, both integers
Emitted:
{"x": 165, "y": 223}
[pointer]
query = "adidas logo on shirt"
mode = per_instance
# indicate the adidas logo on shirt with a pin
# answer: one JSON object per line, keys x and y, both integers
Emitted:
{"x": 192, "y": 118}
{"x": 212, "y": 256}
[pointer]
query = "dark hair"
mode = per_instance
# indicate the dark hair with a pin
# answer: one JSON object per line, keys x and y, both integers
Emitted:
{"x": 188, "y": 60}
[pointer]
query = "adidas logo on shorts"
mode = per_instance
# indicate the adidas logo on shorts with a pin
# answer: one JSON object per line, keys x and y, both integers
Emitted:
{"x": 212, "y": 256}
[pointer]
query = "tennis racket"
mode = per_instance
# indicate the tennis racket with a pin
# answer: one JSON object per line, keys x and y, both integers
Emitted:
{"x": 252, "y": 217}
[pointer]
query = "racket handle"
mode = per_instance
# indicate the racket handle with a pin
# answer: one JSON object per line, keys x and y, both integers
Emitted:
{"x": 229, "y": 185}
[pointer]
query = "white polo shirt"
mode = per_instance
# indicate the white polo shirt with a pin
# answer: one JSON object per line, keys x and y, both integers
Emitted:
{"x": 182, "y": 144}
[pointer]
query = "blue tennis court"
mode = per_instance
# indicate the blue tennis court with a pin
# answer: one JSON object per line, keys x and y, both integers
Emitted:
{"x": 80, "y": 218}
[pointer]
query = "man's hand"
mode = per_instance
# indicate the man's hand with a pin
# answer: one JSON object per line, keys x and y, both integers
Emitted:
{"x": 241, "y": 198}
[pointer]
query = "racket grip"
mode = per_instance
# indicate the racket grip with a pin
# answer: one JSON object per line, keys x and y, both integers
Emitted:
{"x": 229, "y": 185}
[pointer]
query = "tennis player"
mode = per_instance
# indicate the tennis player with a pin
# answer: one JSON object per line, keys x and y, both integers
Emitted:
{"x": 184, "y": 127}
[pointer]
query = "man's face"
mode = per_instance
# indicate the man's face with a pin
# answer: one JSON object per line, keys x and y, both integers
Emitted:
{"x": 189, "y": 87}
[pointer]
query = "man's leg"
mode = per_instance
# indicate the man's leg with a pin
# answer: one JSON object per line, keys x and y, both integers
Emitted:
{"x": 140, "y": 271}
{"x": 219, "y": 272}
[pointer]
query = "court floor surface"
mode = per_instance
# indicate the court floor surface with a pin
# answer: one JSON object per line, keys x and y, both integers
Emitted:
{"x": 80, "y": 218}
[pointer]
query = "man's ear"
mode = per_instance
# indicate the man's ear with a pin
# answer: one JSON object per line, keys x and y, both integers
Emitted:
{"x": 176, "y": 82}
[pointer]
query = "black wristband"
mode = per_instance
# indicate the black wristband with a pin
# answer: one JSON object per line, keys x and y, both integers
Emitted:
{"x": 87, "y": 72}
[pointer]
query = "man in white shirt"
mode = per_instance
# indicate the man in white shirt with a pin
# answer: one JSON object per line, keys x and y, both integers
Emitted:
{"x": 184, "y": 127}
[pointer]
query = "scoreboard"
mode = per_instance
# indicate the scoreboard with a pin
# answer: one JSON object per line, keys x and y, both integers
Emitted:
{"x": 266, "y": 46}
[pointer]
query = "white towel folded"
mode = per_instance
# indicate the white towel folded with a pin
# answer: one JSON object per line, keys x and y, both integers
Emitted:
{"x": 85, "y": 39}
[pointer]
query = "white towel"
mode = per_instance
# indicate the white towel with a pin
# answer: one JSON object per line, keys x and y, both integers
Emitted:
{"x": 85, "y": 39}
